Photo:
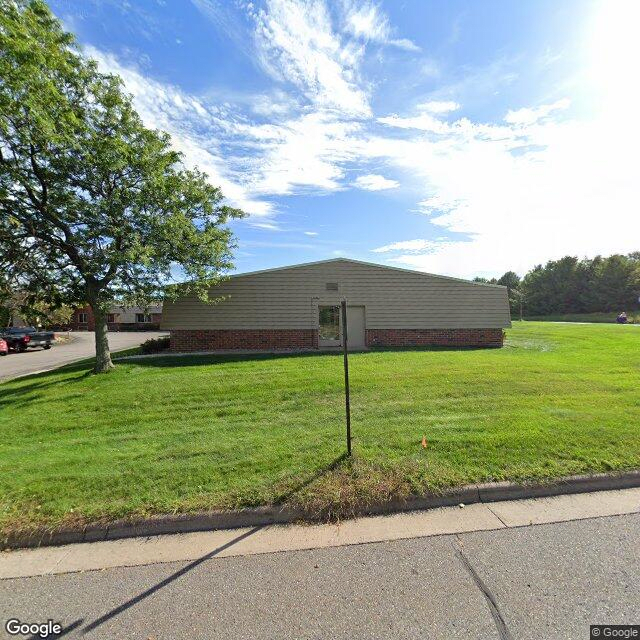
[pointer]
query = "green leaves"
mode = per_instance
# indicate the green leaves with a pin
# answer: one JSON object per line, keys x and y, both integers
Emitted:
{"x": 570, "y": 285}
{"x": 92, "y": 203}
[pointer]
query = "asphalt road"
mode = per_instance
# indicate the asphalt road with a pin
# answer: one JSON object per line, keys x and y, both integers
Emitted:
{"x": 82, "y": 345}
{"x": 536, "y": 582}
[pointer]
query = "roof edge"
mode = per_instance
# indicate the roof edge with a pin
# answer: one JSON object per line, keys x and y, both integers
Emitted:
{"x": 368, "y": 264}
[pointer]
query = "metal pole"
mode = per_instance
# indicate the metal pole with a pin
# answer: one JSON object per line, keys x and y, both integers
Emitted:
{"x": 346, "y": 374}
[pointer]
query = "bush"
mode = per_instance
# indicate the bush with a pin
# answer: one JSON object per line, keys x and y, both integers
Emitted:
{"x": 155, "y": 345}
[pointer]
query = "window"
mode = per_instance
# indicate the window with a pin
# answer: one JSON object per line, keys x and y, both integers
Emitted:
{"x": 329, "y": 323}
{"x": 82, "y": 318}
{"x": 143, "y": 317}
{"x": 111, "y": 318}
{"x": 332, "y": 286}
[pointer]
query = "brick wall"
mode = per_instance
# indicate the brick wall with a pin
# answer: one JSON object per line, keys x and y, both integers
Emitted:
{"x": 75, "y": 323}
{"x": 218, "y": 339}
{"x": 183, "y": 340}
{"x": 90, "y": 325}
{"x": 434, "y": 337}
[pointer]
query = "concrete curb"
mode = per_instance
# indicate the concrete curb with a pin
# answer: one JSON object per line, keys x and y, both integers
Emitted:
{"x": 206, "y": 521}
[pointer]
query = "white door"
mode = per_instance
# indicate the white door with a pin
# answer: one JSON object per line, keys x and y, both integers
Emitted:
{"x": 355, "y": 328}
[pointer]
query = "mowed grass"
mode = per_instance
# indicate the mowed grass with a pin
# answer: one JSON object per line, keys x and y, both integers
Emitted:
{"x": 186, "y": 434}
{"x": 603, "y": 316}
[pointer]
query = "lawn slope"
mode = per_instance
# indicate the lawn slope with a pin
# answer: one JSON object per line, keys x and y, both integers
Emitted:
{"x": 604, "y": 316}
{"x": 186, "y": 434}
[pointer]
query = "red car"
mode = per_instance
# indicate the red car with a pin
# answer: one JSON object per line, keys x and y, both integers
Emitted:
{"x": 4, "y": 347}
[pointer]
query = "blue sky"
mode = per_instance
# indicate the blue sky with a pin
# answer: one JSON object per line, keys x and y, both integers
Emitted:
{"x": 461, "y": 137}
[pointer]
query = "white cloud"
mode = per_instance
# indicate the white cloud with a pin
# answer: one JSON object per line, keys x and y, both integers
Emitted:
{"x": 375, "y": 182}
{"x": 297, "y": 44}
{"x": 530, "y": 115}
{"x": 424, "y": 122}
{"x": 404, "y": 43}
{"x": 430, "y": 68}
{"x": 305, "y": 153}
{"x": 411, "y": 246}
{"x": 536, "y": 186}
{"x": 520, "y": 194}
{"x": 437, "y": 204}
{"x": 166, "y": 107}
{"x": 438, "y": 106}
{"x": 269, "y": 226}
{"x": 310, "y": 233}
{"x": 366, "y": 21}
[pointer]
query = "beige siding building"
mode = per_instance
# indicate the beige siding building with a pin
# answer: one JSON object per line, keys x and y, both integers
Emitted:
{"x": 296, "y": 308}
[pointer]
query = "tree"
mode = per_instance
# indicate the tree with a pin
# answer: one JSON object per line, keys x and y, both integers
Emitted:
{"x": 37, "y": 314}
{"x": 618, "y": 283}
{"x": 511, "y": 280}
{"x": 589, "y": 285}
{"x": 93, "y": 206}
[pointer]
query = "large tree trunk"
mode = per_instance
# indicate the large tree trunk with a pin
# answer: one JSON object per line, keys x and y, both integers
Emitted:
{"x": 103, "y": 355}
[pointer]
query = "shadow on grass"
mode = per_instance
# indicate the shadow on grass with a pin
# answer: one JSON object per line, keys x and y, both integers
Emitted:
{"x": 22, "y": 387}
{"x": 28, "y": 388}
{"x": 332, "y": 466}
{"x": 188, "y": 360}
{"x": 11, "y": 394}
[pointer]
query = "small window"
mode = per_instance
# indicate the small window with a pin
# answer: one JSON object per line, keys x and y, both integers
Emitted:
{"x": 143, "y": 317}
{"x": 332, "y": 286}
{"x": 82, "y": 318}
{"x": 111, "y": 318}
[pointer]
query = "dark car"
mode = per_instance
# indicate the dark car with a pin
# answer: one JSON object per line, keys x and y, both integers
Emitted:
{"x": 23, "y": 338}
{"x": 4, "y": 347}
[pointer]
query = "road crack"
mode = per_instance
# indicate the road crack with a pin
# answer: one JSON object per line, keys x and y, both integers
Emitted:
{"x": 501, "y": 625}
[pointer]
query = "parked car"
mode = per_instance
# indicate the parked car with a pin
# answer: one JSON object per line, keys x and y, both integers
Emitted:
{"x": 23, "y": 338}
{"x": 4, "y": 347}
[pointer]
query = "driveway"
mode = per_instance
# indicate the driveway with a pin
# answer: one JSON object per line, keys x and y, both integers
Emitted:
{"x": 80, "y": 346}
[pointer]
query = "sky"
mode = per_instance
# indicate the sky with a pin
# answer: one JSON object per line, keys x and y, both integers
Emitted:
{"x": 463, "y": 138}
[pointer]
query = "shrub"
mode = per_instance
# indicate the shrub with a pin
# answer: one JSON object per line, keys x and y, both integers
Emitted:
{"x": 155, "y": 345}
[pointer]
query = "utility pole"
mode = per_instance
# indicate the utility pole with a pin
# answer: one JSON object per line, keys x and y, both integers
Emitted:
{"x": 343, "y": 304}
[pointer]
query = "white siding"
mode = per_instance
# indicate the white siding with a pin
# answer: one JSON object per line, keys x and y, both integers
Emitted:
{"x": 394, "y": 299}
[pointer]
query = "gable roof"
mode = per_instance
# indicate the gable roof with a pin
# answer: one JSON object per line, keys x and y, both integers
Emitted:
{"x": 368, "y": 264}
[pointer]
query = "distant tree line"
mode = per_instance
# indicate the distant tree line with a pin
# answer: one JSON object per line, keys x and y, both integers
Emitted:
{"x": 573, "y": 285}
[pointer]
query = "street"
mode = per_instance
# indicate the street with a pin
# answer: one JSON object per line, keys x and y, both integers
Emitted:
{"x": 81, "y": 346}
{"x": 546, "y": 581}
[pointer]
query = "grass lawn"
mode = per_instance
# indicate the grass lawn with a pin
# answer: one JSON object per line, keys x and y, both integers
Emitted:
{"x": 184, "y": 434}
{"x": 604, "y": 316}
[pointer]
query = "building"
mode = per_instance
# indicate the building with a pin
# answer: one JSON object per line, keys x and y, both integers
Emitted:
{"x": 119, "y": 318}
{"x": 295, "y": 308}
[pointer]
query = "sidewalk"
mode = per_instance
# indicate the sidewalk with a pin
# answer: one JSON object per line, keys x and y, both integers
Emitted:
{"x": 280, "y": 538}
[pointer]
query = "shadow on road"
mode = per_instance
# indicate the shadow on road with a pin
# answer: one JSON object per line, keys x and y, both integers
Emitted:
{"x": 63, "y": 632}
{"x": 192, "y": 565}
{"x": 174, "y": 576}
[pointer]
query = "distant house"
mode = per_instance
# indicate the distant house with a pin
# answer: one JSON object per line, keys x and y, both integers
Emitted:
{"x": 294, "y": 308}
{"x": 119, "y": 318}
